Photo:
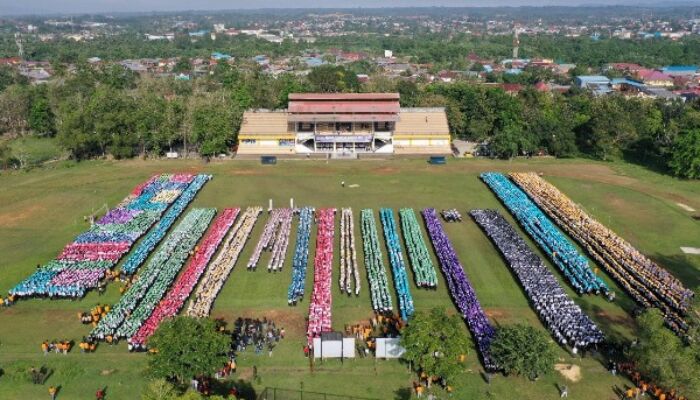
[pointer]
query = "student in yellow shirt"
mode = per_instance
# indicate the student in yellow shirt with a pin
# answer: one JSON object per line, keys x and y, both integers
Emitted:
{"x": 52, "y": 392}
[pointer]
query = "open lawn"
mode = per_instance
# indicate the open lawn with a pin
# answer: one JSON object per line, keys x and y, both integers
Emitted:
{"x": 42, "y": 210}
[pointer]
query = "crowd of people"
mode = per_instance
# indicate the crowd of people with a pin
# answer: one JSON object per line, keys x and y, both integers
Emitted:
{"x": 94, "y": 315}
{"x": 275, "y": 239}
{"x": 56, "y": 346}
{"x": 642, "y": 387}
{"x": 349, "y": 273}
{"x": 259, "y": 334}
{"x": 421, "y": 263}
{"x": 297, "y": 286}
{"x": 83, "y": 263}
{"x": 553, "y": 243}
{"x": 218, "y": 270}
{"x": 564, "y": 318}
{"x": 182, "y": 288}
{"x": 320, "y": 304}
{"x": 376, "y": 272}
{"x": 379, "y": 326}
{"x": 647, "y": 282}
{"x": 156, "y": 235}
{"x": 393, "y": 245}
{"x": 461, "y": 289}
{"x": 148, "y": 288}
{"x": 87, "y": 345}
{"x": 451, "y": 215}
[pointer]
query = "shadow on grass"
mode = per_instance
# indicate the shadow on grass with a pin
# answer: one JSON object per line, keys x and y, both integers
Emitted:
{"x": 244, "y": 389}
{"x": 402, "y": 394}
{"x": 649, "y": 161}
{"x": 612, "y": 325}
{"x": 679, "y": 266}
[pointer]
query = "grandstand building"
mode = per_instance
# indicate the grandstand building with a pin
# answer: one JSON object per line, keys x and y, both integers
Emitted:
{"x": 344, "y": 123}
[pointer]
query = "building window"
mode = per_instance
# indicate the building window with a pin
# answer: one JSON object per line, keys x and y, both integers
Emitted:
{"x": 248, "y": 141}
{"x": 305, "y": 127}
{"x": 383, "y": 126}
{"x": 363, "y": 126}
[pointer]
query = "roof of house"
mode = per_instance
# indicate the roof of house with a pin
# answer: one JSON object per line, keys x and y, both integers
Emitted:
{"x": 263, "y": 122}
{"x": 541, "y": 86}
{"x": 422, "y": 121}
{"x": 680, "y": 68}
{"x": 627, "y": 81}
{"x": 652, "y": 75}
{"x": 314, "y": 105}
{"x": 593, "y": 79}
{"x": 512, "y": 87}
{"x": 626, "y": 66}
{"x": 411, "y": 121}
{"x": 343, "y": 96}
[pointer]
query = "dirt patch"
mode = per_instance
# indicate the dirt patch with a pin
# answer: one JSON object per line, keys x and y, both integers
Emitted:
{"x": 385, "y": 170}
{"x": 106, "y": 372}
{"x": 570, "y": 372}
{"x": 245, "y": 172}
{"x": 496, "y": 313}
{"x": 16, "y": 217}
{"x": 245, "y": 374}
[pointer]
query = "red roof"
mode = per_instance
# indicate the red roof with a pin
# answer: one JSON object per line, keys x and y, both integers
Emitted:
{"x": 541, "y": 87}
{"x": 651, "y": 75}
{"x": 343, "y": 103}
{"x": 512, "y": 87}
{"x": 351, "y": 107}
{"x": 626, "y": 66}
{"x": 343, "y": 96}
{"x": 342, "y": 117}
{"x": 10, "y": 60}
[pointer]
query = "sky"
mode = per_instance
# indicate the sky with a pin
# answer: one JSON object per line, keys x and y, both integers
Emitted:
{"x": 8, "y": 7}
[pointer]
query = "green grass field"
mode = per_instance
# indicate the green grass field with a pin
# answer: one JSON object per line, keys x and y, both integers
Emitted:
{"x": 42, "y": 210}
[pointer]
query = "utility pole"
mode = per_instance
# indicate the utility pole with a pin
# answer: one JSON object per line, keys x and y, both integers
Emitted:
{"x": 516, "y": 41}
{"x": 20, "y": 47}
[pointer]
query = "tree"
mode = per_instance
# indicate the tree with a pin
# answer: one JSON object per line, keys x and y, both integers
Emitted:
{"x": 662, "y": 357}
{"x": 435, "y": 343}
{"x": 7, "y": 76}
{"x": 7, "y": 160}
{"x": 41, "y": 118}
{"x": 523, "y": 350}
{"x": 182, "y": 65}
{"x": 409, "y": 93}
{"x": 330, "y": 78}
{"x": 506, "y": 143}
{"x": 609, "y": 129}
{"x": 14, "y": 109}
{"x": 117, "y": 76}
{"x": 213, "y": 123}
{"x": 187, "y": 347}
{"x": 477, "y": 67}
{"x": 685, "y": 158}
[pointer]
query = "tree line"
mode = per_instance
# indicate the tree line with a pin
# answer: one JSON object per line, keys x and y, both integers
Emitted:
{"x": 421, "y": 47}
{"x": 94, "y": 112}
